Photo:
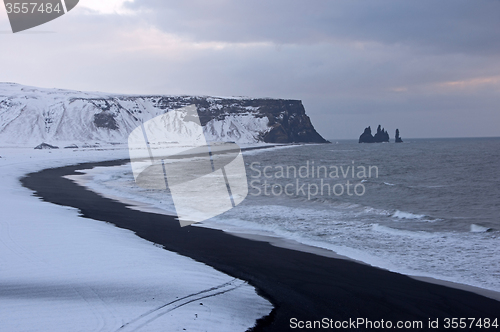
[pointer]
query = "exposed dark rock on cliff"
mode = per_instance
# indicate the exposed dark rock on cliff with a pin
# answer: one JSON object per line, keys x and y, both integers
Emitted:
{"x": 45, "y": 146}
{"x": 380, "y": 136}
{"x": 288, "y": 122}
{"x": 105, "y": 120}
{"x": 398, "y": 139}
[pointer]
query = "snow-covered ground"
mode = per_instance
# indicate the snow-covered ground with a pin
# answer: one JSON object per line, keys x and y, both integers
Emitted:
{"x": 60, "y": 272}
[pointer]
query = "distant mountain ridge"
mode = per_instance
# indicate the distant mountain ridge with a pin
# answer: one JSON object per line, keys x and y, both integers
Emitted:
{"x": 30, "y": 116}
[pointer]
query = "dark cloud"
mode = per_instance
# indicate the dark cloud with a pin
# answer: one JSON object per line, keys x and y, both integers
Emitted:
{"x": 445, "y": 25}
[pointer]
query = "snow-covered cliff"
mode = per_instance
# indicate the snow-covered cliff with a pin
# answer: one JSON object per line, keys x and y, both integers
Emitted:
{"x": 29, "y": 116}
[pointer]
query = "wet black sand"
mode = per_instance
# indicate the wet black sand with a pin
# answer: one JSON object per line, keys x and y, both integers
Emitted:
{"x": 300, "y": 285}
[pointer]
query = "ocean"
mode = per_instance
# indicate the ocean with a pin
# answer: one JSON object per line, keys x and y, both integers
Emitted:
{"x": 426, "y": 207}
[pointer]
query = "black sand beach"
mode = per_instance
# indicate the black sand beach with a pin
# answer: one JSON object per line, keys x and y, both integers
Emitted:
{"x": 300, "y": 285}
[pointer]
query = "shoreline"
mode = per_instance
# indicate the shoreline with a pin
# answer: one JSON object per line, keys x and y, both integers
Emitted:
{"x": 321, "y": 286}
{"x": 281, "y": 242}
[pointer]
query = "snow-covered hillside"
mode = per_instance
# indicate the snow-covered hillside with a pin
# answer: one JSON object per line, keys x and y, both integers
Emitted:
{"x": 30, "y": 116}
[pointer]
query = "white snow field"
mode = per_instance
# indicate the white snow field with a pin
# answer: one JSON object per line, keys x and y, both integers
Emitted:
{"x": 61, "y": 272}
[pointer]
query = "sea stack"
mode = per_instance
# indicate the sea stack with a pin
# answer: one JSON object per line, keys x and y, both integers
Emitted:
{"x": 380, "y": 136}
{"x": 366, "y": 136}
{"x": 398, "y": 139}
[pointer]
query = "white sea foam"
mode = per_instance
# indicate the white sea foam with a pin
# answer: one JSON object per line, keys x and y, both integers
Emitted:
{"x": 407, "y": 215}
{"x": 478, "y": 229}
{"x": 406, "y": 233}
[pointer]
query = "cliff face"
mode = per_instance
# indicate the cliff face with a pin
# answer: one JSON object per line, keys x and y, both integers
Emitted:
{"x": 287, "y": 121}
{"x": 32, "y": 115}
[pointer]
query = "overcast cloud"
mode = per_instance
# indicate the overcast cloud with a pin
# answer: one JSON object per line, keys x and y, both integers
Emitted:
{"x": 430, "y": 68}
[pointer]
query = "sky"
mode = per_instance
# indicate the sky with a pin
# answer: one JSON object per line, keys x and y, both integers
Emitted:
{"x": 430, "y": 68}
